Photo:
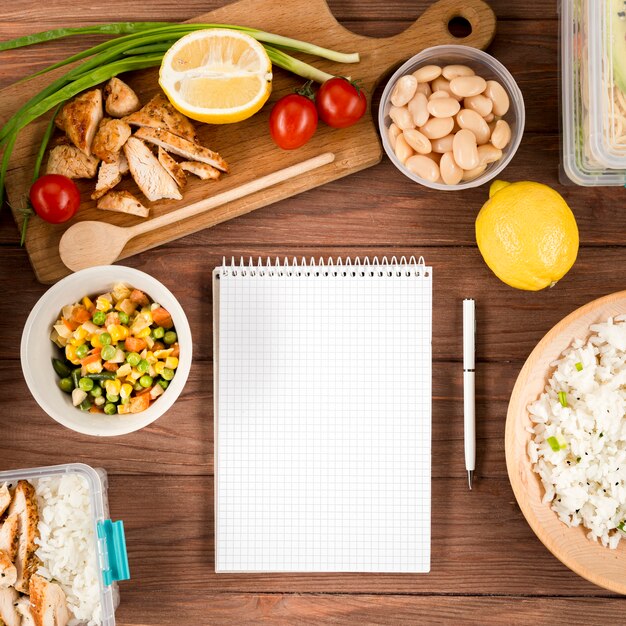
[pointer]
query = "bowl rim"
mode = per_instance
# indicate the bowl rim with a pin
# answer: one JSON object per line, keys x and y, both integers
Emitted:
{"x": 568, "y": 544}
{"x": 121, "y": 273}
{"x": 515, "y": 95}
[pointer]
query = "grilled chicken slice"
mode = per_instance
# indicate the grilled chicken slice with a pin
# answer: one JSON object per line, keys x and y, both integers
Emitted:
{"x": 8, "y": 573}
{"x": 9, "y": 536}
{"x": 23, "y": 609}
{"x": 120, "y": 100}
{"x": 172, "y": 167}
{"x": 48, "y": 603}
{"x": 182, "y": 147}
{"x": 24, "y": 505}
{"x": 151, "y": 177}
{"x": 123, "y": 202}
{"x": 5, "y": 498}
{"x": 159, "y": 113}
{"x": 123, "y": 164}
{"x": 80, "y": 117}
{"x": 201, "y": 170}
{"x": 71, "y": 162}
{"x": 8, "y": 612}
{"x": 108, "y": 176}
{"x": 111, "y": 136}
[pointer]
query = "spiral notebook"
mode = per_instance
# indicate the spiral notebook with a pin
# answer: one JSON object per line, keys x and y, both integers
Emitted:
{"x": 323, "y": 416}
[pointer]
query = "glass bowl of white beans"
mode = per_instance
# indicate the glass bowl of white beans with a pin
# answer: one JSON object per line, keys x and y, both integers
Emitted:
{"x": 452, "y": 117}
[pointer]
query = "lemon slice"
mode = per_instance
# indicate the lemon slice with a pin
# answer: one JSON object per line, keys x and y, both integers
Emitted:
{"x": 217, "y": 75}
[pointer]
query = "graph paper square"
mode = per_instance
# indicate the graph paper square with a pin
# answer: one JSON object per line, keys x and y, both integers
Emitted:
{"x": 323, "y": 419}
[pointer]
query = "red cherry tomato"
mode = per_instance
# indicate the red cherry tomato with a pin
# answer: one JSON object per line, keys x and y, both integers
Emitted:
{"x": 293, "y": 121}
{"x": 340, "y": 103}
{"x": 55, "y": 198}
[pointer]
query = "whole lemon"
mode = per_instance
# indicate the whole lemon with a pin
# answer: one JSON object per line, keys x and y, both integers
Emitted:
{"x": 527, "y": 234}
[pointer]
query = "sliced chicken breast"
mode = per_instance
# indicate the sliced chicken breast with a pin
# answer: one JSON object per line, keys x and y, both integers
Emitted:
{"x": 150, "y": 176}
{"x": 111, "y": 136}
{"x": 24, "y": 505}
{"x": 122, "y": 202}
{"x": 48, "y": 603}
{"x": 8, "y": 612}
{"x": 9, "y": 536}
{"x": 8, "y": 573}
{"x": 201, "y": 170}
{"x": 120, "y": 100}
{"x": 80, "y": 117}
{"x": 71, "y": 162}
{"x": 159, "y": 113}
{"x": 23, "y": 609}
{"x": 182, "y": 147}
{"x": 109, "y": 175}
{"x": 172, "y": 167}
{"x": 123, "y": 164}
{"x": 5, "y": 498}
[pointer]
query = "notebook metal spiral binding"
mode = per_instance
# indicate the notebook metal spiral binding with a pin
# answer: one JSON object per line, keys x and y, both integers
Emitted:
{"x": 330, "y": 267}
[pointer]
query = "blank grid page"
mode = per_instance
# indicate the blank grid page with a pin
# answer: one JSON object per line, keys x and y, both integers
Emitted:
{"x": 323, "y": 449}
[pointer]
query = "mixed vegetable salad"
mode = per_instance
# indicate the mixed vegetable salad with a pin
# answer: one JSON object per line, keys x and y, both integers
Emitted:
{"x": 120, "y": 351}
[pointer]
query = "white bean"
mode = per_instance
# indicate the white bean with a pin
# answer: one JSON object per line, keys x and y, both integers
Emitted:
{"x": 423, "y": 167}
{"x": 418, "y": 108}
{"x": 488, "y": 154}
{"x": 424, "y": 88}
{"x": 489, "y": 118}
{"x": 441, "y": 84}
{"x": 443, "y": 107}
{"x": 471, "y": 120}
{"x": 473, "y": 173}
{"x": 401, "y": 117}
{"x": 466, "y": 86}
{"x": 392, "y": 133}
{"x": 437, "y": 127}
{"x": 451, "y": 173}
{"x": 481, "y": 104}
{"x": 427, "y": 73}
{"x": 454, "y": 71}
{"x": 419, "y": 142}
{"x": 465, "y": 150}
{"x": 443, "y": 144}
{"x": 404, "y": 90}
{"x": 501, "y": 134}
{"x": 403, "y": 150}
{"x": 498, "y": 95}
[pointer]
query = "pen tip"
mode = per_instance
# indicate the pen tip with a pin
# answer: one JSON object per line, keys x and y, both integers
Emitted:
{"x": 470, "y": 477}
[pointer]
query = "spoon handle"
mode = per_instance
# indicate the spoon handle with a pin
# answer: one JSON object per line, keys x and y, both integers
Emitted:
{"x": 232, "y": 194}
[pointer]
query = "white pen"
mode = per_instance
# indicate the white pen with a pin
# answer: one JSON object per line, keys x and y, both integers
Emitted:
{"x": 469, "y": 420}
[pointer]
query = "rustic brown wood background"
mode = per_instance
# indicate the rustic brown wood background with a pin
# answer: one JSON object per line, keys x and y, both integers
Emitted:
{"x": 487, "y": 565}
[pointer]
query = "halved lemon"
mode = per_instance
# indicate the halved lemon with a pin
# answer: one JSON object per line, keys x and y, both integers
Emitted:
{"x": 217, "y": 75}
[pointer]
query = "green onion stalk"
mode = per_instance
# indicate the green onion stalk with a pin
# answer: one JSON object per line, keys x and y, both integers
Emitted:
{"x": 138, "y": 45}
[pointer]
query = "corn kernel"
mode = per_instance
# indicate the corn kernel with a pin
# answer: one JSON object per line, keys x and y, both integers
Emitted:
{"x": 126, "y": 390}
{"x": 102, "y": 304}
{"x": 124, "y": 370}
{"x": 162, "y": 354}
{"x": 95, "y": 341}
{"x": 94, "y": 368}
{"x": 171, "y": 362}
{"x": 117, "y": 332}
{"x": 133, "y": 376}
{"x": 70, "y": 354}
{"x": 80, "y": 333}
{"x": 158, "y": 367}
{"x": 143, "y": 333}
{"x": 113, "y": 387}
{"x": 123, "y": 409}
{"x": 87, "y": 303}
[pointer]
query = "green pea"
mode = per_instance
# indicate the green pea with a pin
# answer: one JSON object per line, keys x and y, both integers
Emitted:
{"x": 111, "y": 397}
{"x": 158, "y": 332}
{"x": 86, "y": 384}
{"x": 137, "y": 386}
{"x": 96, "y": 392}
{"x": 105, "y": 339}
{"x": 66, "y": 384}
{"x": 163, "y": 383}
{"x": 132, "y": 358}
{"x": 108, "y": 352}
{"x": 170, "y": 337}
{"x": 81, "y": 351}
{"x": 110, "y": 409}
{"x": 145, "y": 381}
{"x": 124, "y": 319}
{"x": 167, "y": 373}
{"x": 98, "y": 318}
{"x": 143, "y": 366}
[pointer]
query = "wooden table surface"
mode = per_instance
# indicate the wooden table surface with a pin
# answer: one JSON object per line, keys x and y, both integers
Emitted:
{"x": 487, "y": 565}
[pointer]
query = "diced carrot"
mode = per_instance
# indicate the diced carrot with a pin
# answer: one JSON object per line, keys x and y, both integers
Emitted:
{"x": 161, "y": 317}
{"x": 139, "y": 403}
{"x": 135, "y": 344}
{"x": 158, "y": 346}
{"x": 143, "y": 391}
{"x": 110, "y": 367}
{"x": 80, "y": 314}
{"x": 112, "y": 318}
{"x": 139, "y": 297}
{"x": 70, "y": 325}
{"x": 92, "y": 357}
{"x": 95, "y": 409}
{"x": 175, "y": 350}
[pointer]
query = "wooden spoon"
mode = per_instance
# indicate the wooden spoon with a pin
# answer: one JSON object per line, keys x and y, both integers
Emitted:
{"x": 97, "y": 243}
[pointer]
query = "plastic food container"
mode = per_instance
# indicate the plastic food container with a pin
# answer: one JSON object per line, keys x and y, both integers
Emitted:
{"x": 484, "y": 65}
{"x": 110, "y": 543}
{"x": 593, "y": 91}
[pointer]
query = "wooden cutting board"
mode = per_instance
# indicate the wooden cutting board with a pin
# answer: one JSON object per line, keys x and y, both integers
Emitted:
{"x": 247, "y": 146}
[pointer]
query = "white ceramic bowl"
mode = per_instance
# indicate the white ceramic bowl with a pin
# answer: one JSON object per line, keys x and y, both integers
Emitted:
{"x": 37, "y": 350}
{"x": 484, "y": 65}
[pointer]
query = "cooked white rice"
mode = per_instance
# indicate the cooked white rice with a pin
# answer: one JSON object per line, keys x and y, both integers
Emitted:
{"x": 67, "y": 544}
{"x": 585, "y": 480}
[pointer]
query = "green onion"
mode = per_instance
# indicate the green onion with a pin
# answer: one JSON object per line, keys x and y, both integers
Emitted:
{"x": 579, "y": 366}
{"x": 553, "y": 442}
{"x": 563, "y": 398}
{"x": 620, "y": 526}
{"x": 278, "y": 57}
